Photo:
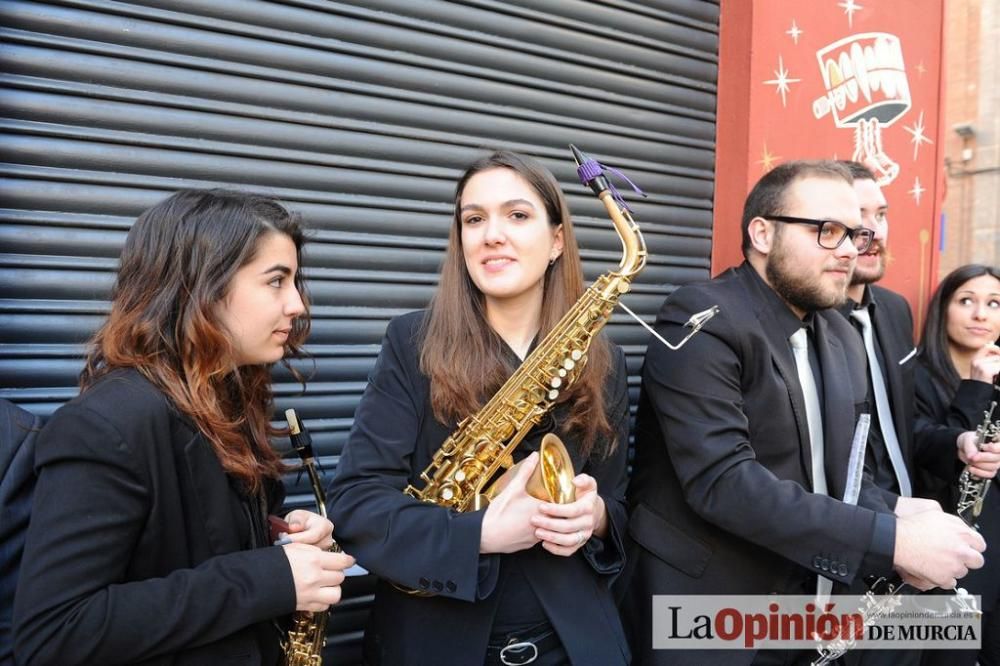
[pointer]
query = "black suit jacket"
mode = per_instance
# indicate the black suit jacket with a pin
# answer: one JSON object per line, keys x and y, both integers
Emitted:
{"x": 135, "y": 552}
{"x": 18, "y": 431}
{"x": 942, "y": 415}
{"x": 720, "y": 495}
{"x": 425, "y": 546}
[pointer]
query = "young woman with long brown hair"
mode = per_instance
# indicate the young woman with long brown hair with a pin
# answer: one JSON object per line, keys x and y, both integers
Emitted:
{"x": 148, "y": 540}
{"x": 523, "y": 581}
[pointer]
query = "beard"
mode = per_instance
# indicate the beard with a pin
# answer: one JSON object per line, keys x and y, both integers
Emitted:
{"x": 803, "y": 292}
{"x": 862, "y": 275}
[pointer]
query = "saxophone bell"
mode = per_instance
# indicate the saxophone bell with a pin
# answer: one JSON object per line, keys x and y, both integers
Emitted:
{"x": 552, "y": 478}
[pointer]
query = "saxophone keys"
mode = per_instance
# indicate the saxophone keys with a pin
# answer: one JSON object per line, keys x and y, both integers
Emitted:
{"x": 569, "y": 364}
{"x": 504, "y": 430}
{"x": 561, "y": 372}
{"x": 555, "y": 382}
{"x": 553, "y": 394}
{"x": 576, "y": 354}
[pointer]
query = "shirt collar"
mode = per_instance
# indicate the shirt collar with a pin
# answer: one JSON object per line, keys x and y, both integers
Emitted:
{"x": 867, "y": 303}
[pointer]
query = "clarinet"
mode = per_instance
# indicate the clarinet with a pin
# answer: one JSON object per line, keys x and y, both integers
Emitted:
{"x": 972, "y": 489}
{"x": 307, "y": 635}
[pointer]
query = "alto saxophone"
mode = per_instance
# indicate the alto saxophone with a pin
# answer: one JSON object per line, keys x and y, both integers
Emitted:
{"x": 307, "y": 634}
{"x": 484, "y": 443}
{"x": 972, "y": 489}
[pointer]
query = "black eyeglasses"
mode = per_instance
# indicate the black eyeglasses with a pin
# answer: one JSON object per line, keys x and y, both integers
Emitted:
{"x": 830, "y": 233}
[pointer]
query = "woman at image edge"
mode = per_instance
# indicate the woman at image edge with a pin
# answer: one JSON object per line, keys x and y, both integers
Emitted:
{"x": 521, "y": 571}
{"x": 954, "y": 385}
{"x": 148, "y": 540}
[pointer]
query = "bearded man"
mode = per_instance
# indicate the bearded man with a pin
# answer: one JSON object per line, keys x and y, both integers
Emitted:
{"x": 743, "y": 435}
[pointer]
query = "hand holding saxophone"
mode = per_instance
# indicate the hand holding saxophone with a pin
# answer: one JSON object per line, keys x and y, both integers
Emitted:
{"x": 565, "y": 528}
{"x": 516, "y": 521}
{"x": 309, "y": 528}
{"x": 317, "y": 574}
{"x": 507, "y": 524}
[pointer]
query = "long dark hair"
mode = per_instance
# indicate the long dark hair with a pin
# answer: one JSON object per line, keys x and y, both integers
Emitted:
{"x": 461, "y": 353}
{"x": 177, "y": 264}
{"x": 934, "y": 346}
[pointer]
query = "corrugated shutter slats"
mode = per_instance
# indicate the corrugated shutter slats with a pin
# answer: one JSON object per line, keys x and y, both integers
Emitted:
{"x": 360, "y": 116}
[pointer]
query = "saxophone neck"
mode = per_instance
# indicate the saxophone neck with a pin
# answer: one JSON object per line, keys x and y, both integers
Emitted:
{"x": 302, "y": 443}
{"x": 592, "y": 174}
{"x": 633, "y": 244}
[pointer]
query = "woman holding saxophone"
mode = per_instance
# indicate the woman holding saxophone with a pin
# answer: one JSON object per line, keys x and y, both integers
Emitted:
{"x": 524, "y": 580}
{"x": 958, "y": 366}
{"x": 148, "y": 540}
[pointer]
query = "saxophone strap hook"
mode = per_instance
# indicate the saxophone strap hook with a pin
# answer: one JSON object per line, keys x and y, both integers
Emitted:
{"x": 696, "y": 322}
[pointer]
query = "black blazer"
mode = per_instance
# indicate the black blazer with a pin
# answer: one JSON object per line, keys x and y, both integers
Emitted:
{"x": 425, "y": 546}
{"x": 18, "y": 432}
{"x": 720, "y": 495}
{"x": 135, "y": 553}
{"x": 941, "y": 416}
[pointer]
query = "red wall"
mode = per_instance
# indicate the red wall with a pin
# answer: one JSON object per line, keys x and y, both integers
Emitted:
{"x": 857, "y": 85}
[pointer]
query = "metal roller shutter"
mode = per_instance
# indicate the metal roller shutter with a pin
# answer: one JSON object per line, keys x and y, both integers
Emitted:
{"x": 360, "y": 116}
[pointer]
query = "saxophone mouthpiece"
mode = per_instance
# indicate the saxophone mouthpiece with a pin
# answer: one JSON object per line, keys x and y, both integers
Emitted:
{"x": 590, "y": 171}
{"x": 293, "y": 421}
{"x": 298, "y": 435}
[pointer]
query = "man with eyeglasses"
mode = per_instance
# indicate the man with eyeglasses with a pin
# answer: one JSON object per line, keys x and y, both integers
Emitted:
{"x": 743, "y": 436}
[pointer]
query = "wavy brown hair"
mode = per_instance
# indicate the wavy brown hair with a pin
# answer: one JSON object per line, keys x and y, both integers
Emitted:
{"x": 178, "y": 262}
{"x": 465, "y": 358}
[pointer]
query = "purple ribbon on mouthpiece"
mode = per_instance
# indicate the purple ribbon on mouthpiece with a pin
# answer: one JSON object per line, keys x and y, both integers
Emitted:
{"x": 591, "y": 169}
